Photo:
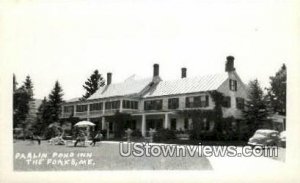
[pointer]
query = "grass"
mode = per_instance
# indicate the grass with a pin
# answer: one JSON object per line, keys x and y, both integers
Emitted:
{"x": 105, "y": 156}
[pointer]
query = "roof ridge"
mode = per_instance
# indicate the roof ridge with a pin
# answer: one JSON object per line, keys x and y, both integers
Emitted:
{"x": 194, "y": 77}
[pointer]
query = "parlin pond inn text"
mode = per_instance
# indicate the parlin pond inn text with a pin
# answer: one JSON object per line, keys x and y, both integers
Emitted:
{"x": 55, "y": 158}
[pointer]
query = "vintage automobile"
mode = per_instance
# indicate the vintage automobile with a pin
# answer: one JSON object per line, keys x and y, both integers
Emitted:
{"x": 283, "y": 139}
{"x": 265, "y": 137}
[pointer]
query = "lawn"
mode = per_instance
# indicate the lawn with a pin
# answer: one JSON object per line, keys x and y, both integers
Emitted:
{"x": 104, "y": 156}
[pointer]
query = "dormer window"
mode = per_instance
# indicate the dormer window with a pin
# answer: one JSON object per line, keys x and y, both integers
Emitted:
{"x": 232, "y": 85}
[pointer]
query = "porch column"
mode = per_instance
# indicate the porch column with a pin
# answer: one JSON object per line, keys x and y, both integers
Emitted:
{"x": 166, "y": 124}
{"x": 143, "y": 125}
{"x": 103, "y": 107}
{"x": 121, "y": 105}
{"x": 103, "y": 123}
{"x": 74, "y": 110}
{"x": 88, "y": 112}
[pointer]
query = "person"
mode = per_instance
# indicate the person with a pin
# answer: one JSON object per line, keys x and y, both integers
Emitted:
{"x": 97, "y": 138}
{"x": 80, "y": 138}
{"x": 37, "y": 138}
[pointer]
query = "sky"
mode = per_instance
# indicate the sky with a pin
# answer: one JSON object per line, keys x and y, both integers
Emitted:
{"x": 68, "y": 40}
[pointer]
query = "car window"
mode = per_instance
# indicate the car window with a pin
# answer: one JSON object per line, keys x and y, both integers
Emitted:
{"x": 261, "y": 133}
{"x": 274, "y": 134}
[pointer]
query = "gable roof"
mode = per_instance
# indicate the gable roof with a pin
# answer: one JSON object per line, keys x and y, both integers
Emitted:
{"x": 130, "y": 86}
{"x": 187, "y": 85}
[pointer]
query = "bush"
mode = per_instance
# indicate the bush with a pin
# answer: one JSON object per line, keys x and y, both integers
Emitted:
{"x": 164, "y": 135}
{"x": 51, "y": 132}
{"x": 136, "y": 133}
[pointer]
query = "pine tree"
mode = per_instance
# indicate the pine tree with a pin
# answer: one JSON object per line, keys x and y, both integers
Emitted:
{"x": 277, "y": 91}
{"x": 43, "y": 117}
{"x": 28, "y": 85}
{"x": 20, "y": 106}
{"x": 93, "y": 83}
{"x": 55, "y": 101}
{"x": 256, "y": 112}
{"x": 21, "y": 99}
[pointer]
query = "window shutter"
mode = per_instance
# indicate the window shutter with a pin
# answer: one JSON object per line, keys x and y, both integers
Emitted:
{"x": 235, "y": 85}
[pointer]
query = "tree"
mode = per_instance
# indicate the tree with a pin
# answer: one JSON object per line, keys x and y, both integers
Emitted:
{"x": 277, "y": 91}
{"x": 15, "y": 83}
{"x": 28, "y": 85}
{"x": 93, "y": 83}
{"x": 55, "y": 101}
{"x": 21, "y": 98}
{"x": 43, "y": 117}
{"x": 20, "y": 106}
{"x": 255, "y": 112}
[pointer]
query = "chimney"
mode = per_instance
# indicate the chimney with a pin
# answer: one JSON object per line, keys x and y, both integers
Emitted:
{"x": 183, "y": 72}
{"x": 155, "y": 70}
{"x": 230, "y": 64}
{"x": 109, "y": 74}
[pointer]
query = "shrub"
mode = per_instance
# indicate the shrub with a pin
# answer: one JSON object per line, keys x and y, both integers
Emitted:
{"x": 136, "y": 133}
{"x": 164, "y": 135}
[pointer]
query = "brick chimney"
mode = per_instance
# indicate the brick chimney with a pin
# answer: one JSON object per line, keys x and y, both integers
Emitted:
{"x": 109, "y": 75}
{"x": 229, "y": 67}
{"x": 183, "y": 72}
{"x": 155, "y": 70}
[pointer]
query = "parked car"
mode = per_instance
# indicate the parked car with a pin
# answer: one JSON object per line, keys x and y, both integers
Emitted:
{"x": 265, "y": 137}
{"x": 283, "y": 139}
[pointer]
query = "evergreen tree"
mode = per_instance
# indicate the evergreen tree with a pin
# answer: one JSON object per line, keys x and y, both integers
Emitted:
{"x": 255, "y": 112}
{"x": 55, "y": 101}
{"x": 21, "y": 98}
{"x": 28, "y": 85}
{"x": 43, "y": 117}
{"x": 277, "y": 91}
{"x": 15, "y": 83}
{"x": 20, "y": 106}
{"x": 93, "y": 83}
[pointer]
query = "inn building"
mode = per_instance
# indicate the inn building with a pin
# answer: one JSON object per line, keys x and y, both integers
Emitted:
{"x": 155, "y": 103}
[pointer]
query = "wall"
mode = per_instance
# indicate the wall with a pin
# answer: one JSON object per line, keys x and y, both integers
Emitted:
{"x": 241, "y": 92}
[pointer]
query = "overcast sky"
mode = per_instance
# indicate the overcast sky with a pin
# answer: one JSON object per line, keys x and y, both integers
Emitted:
{"x": 66, "y": 41}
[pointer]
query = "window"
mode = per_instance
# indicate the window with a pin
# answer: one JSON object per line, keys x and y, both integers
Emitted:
{"x": 204, "y": 124}
{"x": 232, "y": 85}
{"x": 173, "y": 124}
{"x": 204, "y": 101}
{"x": 198, "y": 101}
{"x": 68, "y": 109}
{"x": 226, "y": 102}
{"x": 240, "y": 103}
{"x": 81, "y": 108}
{"x": 173, "y": 103}
{"x": 112, "y": 105}
{"x": 96, "y": 106}
{"x": 115, "y": 104}
{"x": 153, "y": 105}
{"x": 189, "y": 101}
{"x": 127, "y": 104}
